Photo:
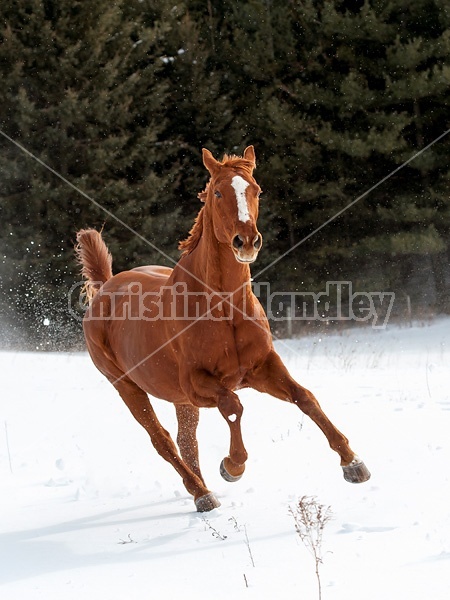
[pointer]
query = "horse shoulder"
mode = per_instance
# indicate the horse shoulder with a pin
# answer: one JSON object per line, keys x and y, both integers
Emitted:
{"x": 252, "y": 335}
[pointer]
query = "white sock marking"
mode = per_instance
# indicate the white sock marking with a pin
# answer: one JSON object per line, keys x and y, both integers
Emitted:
{"x": 240, "y": 185}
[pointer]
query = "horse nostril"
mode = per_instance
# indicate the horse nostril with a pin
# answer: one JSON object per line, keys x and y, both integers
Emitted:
{"x": 257, "y": 242}
{"x": 238, "y": 242}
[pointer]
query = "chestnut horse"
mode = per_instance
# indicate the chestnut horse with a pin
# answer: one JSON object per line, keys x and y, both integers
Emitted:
{"x": 195, "y": 334}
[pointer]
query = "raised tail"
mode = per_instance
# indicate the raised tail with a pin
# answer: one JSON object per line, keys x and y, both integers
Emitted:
{"x": 95, "y": 260}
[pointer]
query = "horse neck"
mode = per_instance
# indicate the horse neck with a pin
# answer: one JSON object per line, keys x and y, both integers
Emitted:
{"x": 214, "y": 264}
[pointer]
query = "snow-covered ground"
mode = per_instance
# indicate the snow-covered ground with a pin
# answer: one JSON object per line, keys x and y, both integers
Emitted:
{"x": 89, "y": 510}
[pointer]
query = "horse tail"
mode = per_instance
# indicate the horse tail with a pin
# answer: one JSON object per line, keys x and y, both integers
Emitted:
{"x": 95, "y": 260}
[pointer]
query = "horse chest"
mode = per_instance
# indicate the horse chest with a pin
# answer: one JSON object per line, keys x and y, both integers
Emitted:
{"x": 232, "y": 353}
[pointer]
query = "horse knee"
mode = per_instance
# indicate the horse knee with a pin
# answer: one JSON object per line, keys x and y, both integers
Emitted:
{"x": 230, "y": 407}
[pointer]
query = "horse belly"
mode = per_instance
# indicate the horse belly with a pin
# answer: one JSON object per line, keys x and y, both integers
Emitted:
{"x": 148, "y": 360}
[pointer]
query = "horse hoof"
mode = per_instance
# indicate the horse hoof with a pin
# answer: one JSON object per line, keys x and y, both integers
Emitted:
{"x": 356, "y": 471}
{"x": 207, "y": 503}
{"x": 227, "y": 476}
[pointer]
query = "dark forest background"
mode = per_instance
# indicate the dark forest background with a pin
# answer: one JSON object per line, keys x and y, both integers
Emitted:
{"x": 120, "y": 97}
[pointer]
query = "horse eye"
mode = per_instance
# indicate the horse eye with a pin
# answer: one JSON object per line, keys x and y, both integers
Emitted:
{"x": 217, "y": 194}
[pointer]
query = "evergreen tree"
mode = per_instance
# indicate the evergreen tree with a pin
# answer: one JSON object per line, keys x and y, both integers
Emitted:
{"x": 338, "y": 95}
{"x": 80, "y": 91}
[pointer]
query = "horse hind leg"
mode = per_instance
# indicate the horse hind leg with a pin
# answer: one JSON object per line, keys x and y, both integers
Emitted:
{"x": 139, "y": 405}
{"x": 188, "y": 417}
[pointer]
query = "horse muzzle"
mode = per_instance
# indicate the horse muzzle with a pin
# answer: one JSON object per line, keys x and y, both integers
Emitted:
{"x": 245, "y": 249}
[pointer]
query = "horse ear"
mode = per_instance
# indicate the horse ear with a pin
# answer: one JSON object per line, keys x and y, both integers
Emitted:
{"x": 210, "y": 162}
{"x": 249, "y": 154}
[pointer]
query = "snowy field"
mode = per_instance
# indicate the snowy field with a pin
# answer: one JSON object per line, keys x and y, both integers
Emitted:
{"x": 88, "y": 510}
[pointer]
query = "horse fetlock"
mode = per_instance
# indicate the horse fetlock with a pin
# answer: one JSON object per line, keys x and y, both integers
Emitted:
{"x": 230, "y": 471}
{"x": 195, "y": 486}
{"x": 235, "y": 465}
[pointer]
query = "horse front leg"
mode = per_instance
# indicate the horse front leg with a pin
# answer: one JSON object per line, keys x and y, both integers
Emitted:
{"x": 232, "y": 466}
{"x": 204, "y": 389}
{"x": 273, "y": 378}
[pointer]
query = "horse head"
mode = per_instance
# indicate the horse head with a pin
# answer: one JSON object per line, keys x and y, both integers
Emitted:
{"x": 232, "y": 199}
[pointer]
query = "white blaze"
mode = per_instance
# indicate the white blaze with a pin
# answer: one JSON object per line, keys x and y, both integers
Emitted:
{"x": 240, "y": 185}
